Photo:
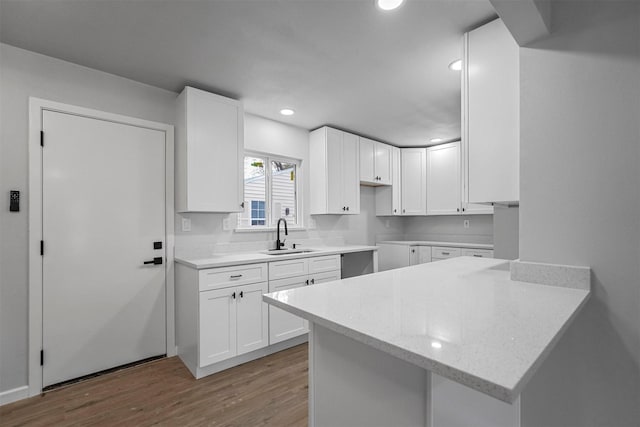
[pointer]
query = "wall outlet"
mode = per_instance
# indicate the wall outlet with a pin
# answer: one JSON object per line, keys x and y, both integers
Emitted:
{"x": 186, "y": 224}
{"x": 466, "y": 223}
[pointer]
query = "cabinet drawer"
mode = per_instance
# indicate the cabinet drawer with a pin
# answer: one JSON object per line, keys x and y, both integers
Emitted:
{"x": 441, "y": 252}
{"x": 288, "y": 268}
{"x": 213, "y": 278}
{"x": 329, "y": 276}
{"x": 322, "y": 264}
{"x": 478, "y": 253}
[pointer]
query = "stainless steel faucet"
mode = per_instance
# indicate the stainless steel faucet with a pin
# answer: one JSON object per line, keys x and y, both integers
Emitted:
{"x": 279, "y": 244}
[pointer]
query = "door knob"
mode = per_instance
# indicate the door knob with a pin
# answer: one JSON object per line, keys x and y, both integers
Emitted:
{"x": 156, "y": 261}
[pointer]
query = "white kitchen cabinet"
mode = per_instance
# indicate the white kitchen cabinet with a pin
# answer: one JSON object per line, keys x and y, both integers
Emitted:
{"x": 251, "y": 318}
{"x": 413, "y": 181}
{"x": 334, "y": 171}
{"x": 388, "y": 198}
{"x": 424, "y": 254}
{"x": 209, "y": 150}
{"x": 444, "y": 252}
{"x": 291, "y": 274}
{"x": 491, "y": 114}
{"x": 444, "y": 179}
{"x": 283, "y": 325}
{"x": 220, "y": 315}
{"x": 375, "y": 162}
{"x": 217, "y": 326}
{"x": 478, "y": 253}
{"x": 392, "y": 256}
{"x": 233, "y": 321}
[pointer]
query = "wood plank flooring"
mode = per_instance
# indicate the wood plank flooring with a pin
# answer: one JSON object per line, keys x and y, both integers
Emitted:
{"x": 271, "y": 391}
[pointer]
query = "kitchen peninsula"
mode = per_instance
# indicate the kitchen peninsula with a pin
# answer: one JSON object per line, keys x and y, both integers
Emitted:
{"x": 450, "y": 343}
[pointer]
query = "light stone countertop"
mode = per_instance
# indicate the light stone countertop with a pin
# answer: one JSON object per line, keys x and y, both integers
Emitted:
{"x": 240, "y": 258}
{"x": 462, "y": 318}
{"x": 435, "y": 243}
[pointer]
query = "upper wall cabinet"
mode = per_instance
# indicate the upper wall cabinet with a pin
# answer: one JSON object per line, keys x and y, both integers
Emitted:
{"x": 490, "y": 114}
{"x": 413, "y": 172}
{"x": 388, "y": 198}
{"x": 334, "y": 172}
{"x": 375, "y": 162}
{"x": 209, "y": 150}
{"x": 444, "y": 179}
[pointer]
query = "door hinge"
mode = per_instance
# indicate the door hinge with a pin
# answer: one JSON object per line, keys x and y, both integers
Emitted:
{"x": 42, "y": 138}
{"x": 41, "y": 357}
{"x": 41, "y": 247}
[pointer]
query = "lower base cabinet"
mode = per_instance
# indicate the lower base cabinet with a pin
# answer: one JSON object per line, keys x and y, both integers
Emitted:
{"x": 221, "y": 320}
{"x": 233, "y": 321}
{"x": 284, "y": 325}
{"x": 393, "y": 255}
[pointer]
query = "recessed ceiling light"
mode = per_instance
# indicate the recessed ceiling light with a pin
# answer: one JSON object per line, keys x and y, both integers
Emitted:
{"x": 456, "y": 65}
{"x": 287, "y": 112}
{"x": 389, "y": 4}
{"x": 434, "y": 140}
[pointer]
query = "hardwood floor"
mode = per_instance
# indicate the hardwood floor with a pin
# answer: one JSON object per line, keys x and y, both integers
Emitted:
{"x": 270, "y": 391}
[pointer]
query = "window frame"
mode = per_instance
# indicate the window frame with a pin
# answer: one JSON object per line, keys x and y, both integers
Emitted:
{"x": 269, "y": 219}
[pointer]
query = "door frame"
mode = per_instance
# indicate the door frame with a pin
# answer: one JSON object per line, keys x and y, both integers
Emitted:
{"x": 36, "y": 108}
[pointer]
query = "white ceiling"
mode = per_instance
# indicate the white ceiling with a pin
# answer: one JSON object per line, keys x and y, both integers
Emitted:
{"x": 343, "y": 63}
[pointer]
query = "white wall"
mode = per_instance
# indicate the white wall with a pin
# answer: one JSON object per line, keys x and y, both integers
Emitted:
{"x": 24, "y": 74}
{"x": 580, "y": 205}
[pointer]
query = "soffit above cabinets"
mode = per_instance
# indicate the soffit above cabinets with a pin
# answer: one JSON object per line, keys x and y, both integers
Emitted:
{"x": 342, "y": 63}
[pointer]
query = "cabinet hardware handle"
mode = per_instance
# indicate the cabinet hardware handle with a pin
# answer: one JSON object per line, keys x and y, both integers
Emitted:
{"x": 463, "y": 209}
{"x": 347, "y": 207}
{"x": 344, "y": 208}
{"x": 313, "y": 281}
{"x": 235, "y": 276}
{"x": 395, "y": 210}
{"x": 413, "y": 251}
{"x": 457, "y": 209}
{"x": 476, "y": 255}
{"x": 445, "y": 253}
{"x": 233, "y": 295}
{"x": 242, "y": 205}
{"x": 306, "y": 281}
{"x": 156, "y": 261}
{"x": 241, "y": 294}
{"x": 403, "y": 210}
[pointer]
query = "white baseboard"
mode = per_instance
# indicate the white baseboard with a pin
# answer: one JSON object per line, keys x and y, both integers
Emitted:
{"x": 14, "y": 395}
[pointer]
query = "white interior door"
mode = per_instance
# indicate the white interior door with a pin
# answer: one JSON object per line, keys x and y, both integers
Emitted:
{"x": 103, "y": 208}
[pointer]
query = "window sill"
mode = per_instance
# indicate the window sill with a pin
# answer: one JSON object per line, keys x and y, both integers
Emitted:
{"x": 266, "y": 229}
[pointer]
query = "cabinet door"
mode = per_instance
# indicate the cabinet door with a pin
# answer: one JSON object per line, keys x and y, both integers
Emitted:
{"x": 444, "y": 179}
{"x": 414, "y": 256}
{"x": 350, "y": 184}
{"x": 323, "y": 264}
{"x": 493, "y": 109}
{"x": 396, "y": 186}
{"x": 424, "y": 254}
{"x": 217, "y": 325}
{"x": 214, "y": 131}
{"x": 334, "y": 165}
{"x": 284, "y": 325}
{"x": 414, "y": 181}
{"x": 251, "y": 318}
{"x": 367, "y": 163}
{"x": 383, "y": 163}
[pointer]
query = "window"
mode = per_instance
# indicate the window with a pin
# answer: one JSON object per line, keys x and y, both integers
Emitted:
{"x": 270, "y": 191}
{"x": 257, "y": 212}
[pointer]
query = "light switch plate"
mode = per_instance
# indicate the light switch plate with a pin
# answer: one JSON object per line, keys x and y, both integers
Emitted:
{"x": 186, "y": 224}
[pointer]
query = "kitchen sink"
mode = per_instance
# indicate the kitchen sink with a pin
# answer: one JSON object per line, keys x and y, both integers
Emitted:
{"x": 287, "y": 251}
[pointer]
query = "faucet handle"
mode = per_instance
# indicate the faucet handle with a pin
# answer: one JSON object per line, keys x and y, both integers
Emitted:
{"x": 282, "y": 243}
